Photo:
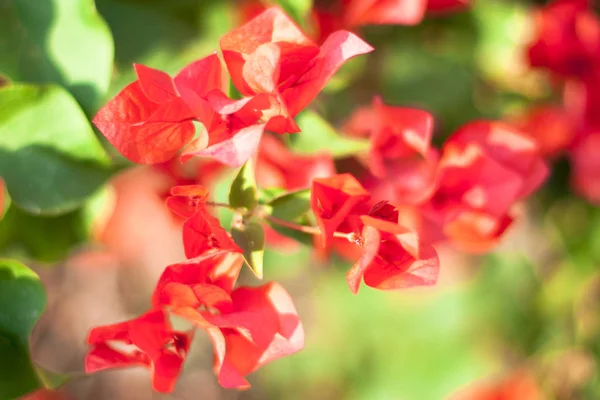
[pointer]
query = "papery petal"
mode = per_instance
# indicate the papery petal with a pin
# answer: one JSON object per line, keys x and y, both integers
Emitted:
{"x": 219, "y": 268}
{"x": 332, "y": 200}
{"x": 261, "y": 70}
{"x": 235, "y": 150}
{"x": 167, "y": 367}
{"x": 476, "y": 231}
{"x": 185, "y": 199}
{"x": 201, "y": 76}
{"x": 337, "y": 49}
{"x": 271, "y": 26}
{"x": 446, "y": 5}
{"x": 202, "y": 232}
{"x": 143, "y": 131}
{"x": 102, "y": 357}
{"x": 371, "y": 239}
{"x": 157, "y": 85}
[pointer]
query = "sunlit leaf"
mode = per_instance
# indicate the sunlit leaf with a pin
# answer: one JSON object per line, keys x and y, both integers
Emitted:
{"x": 250, "y": 236}
{"x": 50, "y": 159}
{"x": 59, "y": 41}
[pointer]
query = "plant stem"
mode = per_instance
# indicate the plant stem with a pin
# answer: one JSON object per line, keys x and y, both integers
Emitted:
{"x": 311, "y": 230}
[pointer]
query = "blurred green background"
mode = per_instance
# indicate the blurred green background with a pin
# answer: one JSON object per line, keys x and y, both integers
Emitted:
{"x": 533, "y": 304}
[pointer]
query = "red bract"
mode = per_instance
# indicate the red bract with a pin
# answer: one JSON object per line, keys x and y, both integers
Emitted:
{"x": 400, "y": 159}
{"x": 147, "y": 341}
{"x": 249, "y": 327}
{"x": 332, "y": 200}
{"x": 269, "y": 57}
{"x": 278, "y": 167}
{"x": 473, "y": 197}
{"x": 567, "y": 38}
{"x": 586, "y": 167}
{"x": 507, "y": 146}
{"x": 151, "y": 119}
{"x": 393, "y": 258}
{"x": 185, "y": 200}
{"x": 202, "y": 233}
{"x": 550, "y": 127}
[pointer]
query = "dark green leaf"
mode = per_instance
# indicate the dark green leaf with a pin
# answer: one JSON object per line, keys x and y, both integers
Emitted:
{"x": 243, "y": 192}
{"x": 43, "y": 238}
{"x": 59, "y": 41}
{"x": 50, "y": 158}
{"x": 318, "y": 136}
{"x": 22, "y": 300}
{"x": 250, "y": 236}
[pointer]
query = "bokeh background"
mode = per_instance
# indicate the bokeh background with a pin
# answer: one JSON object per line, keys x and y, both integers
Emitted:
{"x": 532, "y": 305}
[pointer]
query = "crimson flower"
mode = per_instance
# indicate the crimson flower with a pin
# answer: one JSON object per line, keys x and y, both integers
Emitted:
{"x": 567, "y": 38}
{"x": 249, "y": 327}
{"x": 270, "y": 58}
{"x": 393, "y": 256}
{"x": 332, "y": 200}
{"x": 202, "y": 232}
{"x": 485, "y": 169}
{"x": 148, "y": 341}
{"x": 150, "y": 120}
{"x": 400, "y": 160}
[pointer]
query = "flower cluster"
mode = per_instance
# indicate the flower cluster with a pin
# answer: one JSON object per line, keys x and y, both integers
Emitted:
{"x": 406, "y": 197}
{"x": 248, "y": 327}
{"x": 463, "y": 193}
{"x": 567, "y": 46}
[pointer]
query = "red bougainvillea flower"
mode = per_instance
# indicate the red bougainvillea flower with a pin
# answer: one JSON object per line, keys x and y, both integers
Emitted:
{"x": 201, "y": 231}
{"x": 400, "y": 159}
{"x": 276, "y": 166}
{"x": 550, "y": 127}
{"x": 150, "y": 120}
{"x": 586, "y": 167}
{"x": 332, "y": 200}
{"x": 249, "y": 327}
{"x": 507, "y": 146}
{"x": 270, "y": 58}
{"x": 519, "y": 386}
{"x": 567, "y": 38}
{"x": 393, "y": 257}
{"x": 486, "y": 167}
{"x": 147, "y": 341}
{"x": 185, "y": 200}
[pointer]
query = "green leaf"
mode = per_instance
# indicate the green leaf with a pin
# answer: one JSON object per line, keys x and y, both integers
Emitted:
{"x": 22, "y": 300}
{"x": 59, "y": 41}
{"x": 317, "y": 136}
{"x": 293, "y": 207}
{"x": 250, "y": 236}
{"x": 243, "y": 192}
{"x": 42, "y": 238}
{"x": 50, "y": 159}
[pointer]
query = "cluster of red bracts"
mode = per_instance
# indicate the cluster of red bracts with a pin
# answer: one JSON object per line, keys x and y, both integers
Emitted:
{"x": 567, "y": 45}
{"x": 248, "y": 327}
{"x": 277, "y": 69}
{"x": 463, "y": 193}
